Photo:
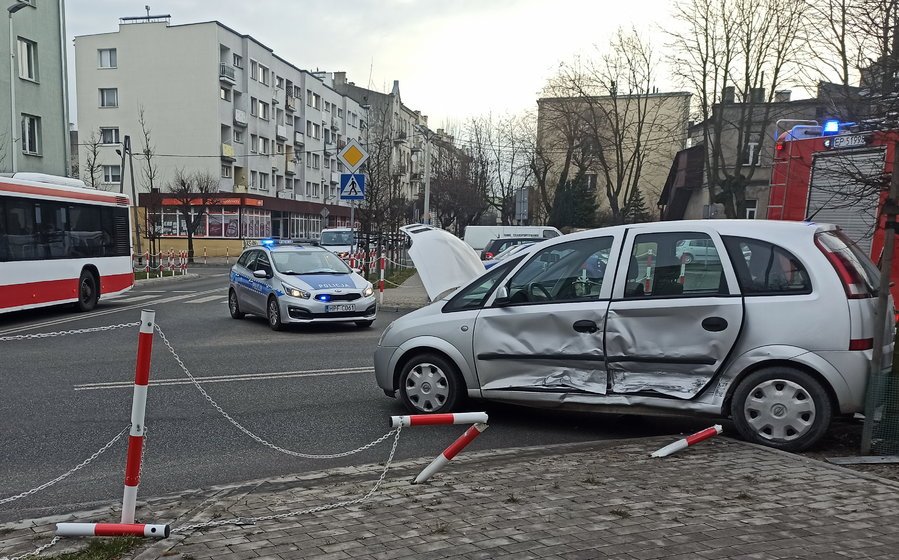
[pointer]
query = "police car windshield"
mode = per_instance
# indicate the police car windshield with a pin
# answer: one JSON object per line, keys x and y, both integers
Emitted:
{"x": 336, "y": 238}
{"x": 308, "y": 262}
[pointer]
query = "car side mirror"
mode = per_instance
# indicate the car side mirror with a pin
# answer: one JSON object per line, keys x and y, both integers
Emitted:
{"x": 502, "y": 297}
{"x": 261, "y": 274}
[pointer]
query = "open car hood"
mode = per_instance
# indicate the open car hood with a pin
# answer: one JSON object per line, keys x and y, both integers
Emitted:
{"x": 443, "y": 261}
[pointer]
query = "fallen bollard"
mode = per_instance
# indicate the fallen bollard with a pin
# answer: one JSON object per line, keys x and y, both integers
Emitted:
{"x": 112, "y": 530}
{"x": 438, "y": 419}
{"x": 683, "y": 443}
{"x": 450, "y": 452}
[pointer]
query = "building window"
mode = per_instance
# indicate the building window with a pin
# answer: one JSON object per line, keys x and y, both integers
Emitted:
{"x": 109, "y": 97}
{"x": 253, "y": 179}
{"x": 279, "y": 81}
{"x": 316, "y": 161}
{"x": 253, "y": 143}
{"x": 315, "y": 190}
{"x": 109, "y": 135}
{"x": 751, "y": 209}
{"x": 31, "y": 134}
{"x": 238, "y": 136}
{"x": 263, "y": 145}
{"x": 107, "y": 58}
{"x": 263, "y": 110}
{"x": 254, "y": 107}
{"x": 27, "y": 59}
{"x": 258, "y": 72}
{"x": 254, "y": 69}
{"x": 309, "y": 98}
{"x": 225, "y": 94}
{"x": 112, "y": 174}
{"x": 226, "y": 171}
{"x": 263, "y": 181}
{"x": 238, "y": 61}
{"x": 752, "y": 155}
{"x": 340, "y": 113}
{"x": 280, "y": 149}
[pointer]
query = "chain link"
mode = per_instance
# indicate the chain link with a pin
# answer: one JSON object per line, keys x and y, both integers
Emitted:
{"x": 35, "y": 552}
{"x": 64, "y": 333}
{"x": 317, "y": 509}
{"x": 64, "y": 476}
{"x": 252, "y": 435}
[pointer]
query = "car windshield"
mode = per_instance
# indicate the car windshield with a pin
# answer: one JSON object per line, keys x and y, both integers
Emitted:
{"x": 308, "y": 262}
{"x": 336, "y": 238}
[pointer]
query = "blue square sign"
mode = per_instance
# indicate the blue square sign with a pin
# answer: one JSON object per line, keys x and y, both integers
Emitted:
{"x": 352, "y": 186}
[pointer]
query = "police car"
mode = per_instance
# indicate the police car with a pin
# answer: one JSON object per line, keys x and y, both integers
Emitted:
{"x": 289, "y": 282}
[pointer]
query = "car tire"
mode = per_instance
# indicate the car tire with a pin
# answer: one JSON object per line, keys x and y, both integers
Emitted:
{"x": 688, "y": 258}
{"x": 364, "y": 324}
{"x": 88, "y": 291}
{"x": 234, "y": 306}
{"x": 430, "y": 384}
{"x": 781, "y": 407}
{"x": 273, "y": 314}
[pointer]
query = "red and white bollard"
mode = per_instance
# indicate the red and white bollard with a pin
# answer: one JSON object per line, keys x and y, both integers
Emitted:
{"x": 647, "y": 280}
{"x": 112, "y": 530}
{"x": 438, "y": 419}
{"x": 450, "y": 452}
{"x": 138, "y": 410}
{"x": 683, "y": 270}
{"x": 147, "y": 263}
{"x": 227, "y": 255}
{"x": 686, "y": 442}
{"x": 205, "y": 256}
{"x": 381, "y": 281}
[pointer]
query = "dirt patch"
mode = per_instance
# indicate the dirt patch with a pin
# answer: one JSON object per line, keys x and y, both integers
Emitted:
{"x": 845, "y": 440}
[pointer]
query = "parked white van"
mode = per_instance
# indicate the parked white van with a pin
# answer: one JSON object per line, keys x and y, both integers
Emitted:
{"x": 478, "y": 236}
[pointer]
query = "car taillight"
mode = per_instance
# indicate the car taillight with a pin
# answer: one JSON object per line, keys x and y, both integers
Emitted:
{"x": 853, "y": 284}
{"x": 488, "y": 255}
{"x": 861, "y": 344}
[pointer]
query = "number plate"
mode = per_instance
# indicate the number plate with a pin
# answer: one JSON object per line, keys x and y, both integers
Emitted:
{"x": 340, "y": 308}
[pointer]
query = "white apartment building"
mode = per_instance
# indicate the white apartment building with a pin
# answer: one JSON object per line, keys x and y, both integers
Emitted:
{"x": 217, "y": 102}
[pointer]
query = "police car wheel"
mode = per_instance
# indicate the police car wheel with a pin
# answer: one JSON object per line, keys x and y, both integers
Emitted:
{"x": 364, "y": 324}
{"x": 233, "y": 306}
{"x": 274, "y": 315}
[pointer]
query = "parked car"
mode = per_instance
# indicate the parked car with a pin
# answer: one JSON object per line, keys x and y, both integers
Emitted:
{"x": 290, "y": 283}
{"x": 513, "y": 250}
{"x": 500, "y": 244}
{"x": 478, "y": 236}
{"x": 780, "y": 341}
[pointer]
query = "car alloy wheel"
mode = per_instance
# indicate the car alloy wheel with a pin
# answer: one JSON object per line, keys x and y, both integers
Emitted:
{"x": 274, "y": 315}
{"x": 234, "y": 306}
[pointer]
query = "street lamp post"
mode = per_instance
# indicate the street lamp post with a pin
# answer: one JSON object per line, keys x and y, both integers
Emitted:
{"x": 12, "y": 84}
{"x": 426, "y": 211}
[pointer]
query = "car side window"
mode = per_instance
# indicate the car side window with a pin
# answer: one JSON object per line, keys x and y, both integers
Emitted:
{"x": 244, "y": 259}
{"x": 263, "y": 263}
{"x": 674, "y": 265}
{"x": 475, "y": 294}
{"x": 566, "y": 272}
{"x": 765, "y": 269}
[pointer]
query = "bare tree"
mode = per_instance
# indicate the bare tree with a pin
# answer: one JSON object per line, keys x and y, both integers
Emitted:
{"x": 192, "y": 195}
{"x": 150, "y": 169}
{"x": 740, "y": 52}
{"x": 501, "y": 154}
{"x": 93, "y": 168}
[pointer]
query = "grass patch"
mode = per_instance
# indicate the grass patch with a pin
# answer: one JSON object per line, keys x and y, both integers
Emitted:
{"x": 103, "y": 549}
{"x": 155, "y": 274}
{"x": 398, "y": 276}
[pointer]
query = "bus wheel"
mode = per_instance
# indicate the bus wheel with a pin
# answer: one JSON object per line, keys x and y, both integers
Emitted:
{"x": 88, "y": 291}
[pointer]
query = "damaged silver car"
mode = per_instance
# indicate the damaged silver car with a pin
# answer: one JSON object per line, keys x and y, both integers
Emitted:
{"x": 772, "y": 327}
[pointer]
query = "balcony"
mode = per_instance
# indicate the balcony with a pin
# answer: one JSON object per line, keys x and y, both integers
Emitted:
{"x": 290, "y": 103}
{"x": 400, "y": 138}
{"x": 240, "y": 117}
{"x": 281, "y": 132}
{"x": 228, "y": 152}
{"x": 335, "y": 124}
{"x": 291, "y": 168}
{"x": 299, "y": 138}
{"x": 226, "y": 73}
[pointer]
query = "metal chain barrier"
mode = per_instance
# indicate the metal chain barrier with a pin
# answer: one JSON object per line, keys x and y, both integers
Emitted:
{"x": 35, "y": 552}
{"x": 64, "y": 333}
{"x": 252, "y": 435}
{"x": 399, "y": 264}
{"x": 64, "y": 476}
{"x": 317, "y": 509}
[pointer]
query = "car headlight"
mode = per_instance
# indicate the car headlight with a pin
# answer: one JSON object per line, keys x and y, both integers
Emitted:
{"x": 368, "y": 291}
{"x": 295, "y": 292}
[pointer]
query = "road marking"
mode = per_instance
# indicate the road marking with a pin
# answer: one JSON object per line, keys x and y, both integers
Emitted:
{"x": 206, "y": 299}
{"x": 183, "y": 291}
{"x": 228, "y": 378}
{"x": 83, "y": 316}
{"x": 129, "y": 299}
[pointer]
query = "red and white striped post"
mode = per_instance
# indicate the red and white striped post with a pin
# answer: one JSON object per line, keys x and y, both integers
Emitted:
{"x": 647, "y": 280}
{"x": 112, "y": 530}
{"x": 205, "y": 256}
{"x": 227, "y": 255}
{"x": 147, "y": 263}
{"x": 686, "y": 442}
{"x": 450, "y": 452}
{"x": 138, "y": 410}
{"x": 438, "y": 419}
{"x": 683, "y": 270}
{"x": 381, "y": 281}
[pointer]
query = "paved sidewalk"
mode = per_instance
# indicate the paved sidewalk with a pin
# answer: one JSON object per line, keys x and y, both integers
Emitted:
{"x": 720, "y": 499}
{"x": 410, "y": 294}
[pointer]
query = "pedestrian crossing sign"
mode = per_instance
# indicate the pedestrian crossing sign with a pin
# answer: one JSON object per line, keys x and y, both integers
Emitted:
{"x": 352, "y": 186}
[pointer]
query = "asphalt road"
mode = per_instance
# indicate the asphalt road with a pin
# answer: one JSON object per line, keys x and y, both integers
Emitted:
{"x": 309, "y": 389}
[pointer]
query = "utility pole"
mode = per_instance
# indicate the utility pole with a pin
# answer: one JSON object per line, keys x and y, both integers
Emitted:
{"x": 877, "y": 376}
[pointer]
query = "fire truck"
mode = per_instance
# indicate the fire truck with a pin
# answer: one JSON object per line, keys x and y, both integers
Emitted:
{"x": 825, "y": 175}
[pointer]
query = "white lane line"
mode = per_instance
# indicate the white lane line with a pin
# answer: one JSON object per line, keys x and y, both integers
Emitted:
{"x": 183, "y": 291}
{"x": 228, "y": 378}
{"x": 130, "y": 299}
{"x": 206, "y": 299}
{"x": 83, "y": 316}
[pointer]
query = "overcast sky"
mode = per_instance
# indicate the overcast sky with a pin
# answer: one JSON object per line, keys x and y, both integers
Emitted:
{"x": 454, "y": 59}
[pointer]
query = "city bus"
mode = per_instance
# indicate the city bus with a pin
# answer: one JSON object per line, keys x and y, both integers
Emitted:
{"x": 61, "y": 242}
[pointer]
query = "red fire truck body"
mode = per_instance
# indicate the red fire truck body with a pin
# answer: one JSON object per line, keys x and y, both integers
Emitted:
{"x": 840, "y": 179}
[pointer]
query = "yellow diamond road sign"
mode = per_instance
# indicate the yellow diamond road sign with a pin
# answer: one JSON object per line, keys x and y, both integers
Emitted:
{"x": 352, "y": 155}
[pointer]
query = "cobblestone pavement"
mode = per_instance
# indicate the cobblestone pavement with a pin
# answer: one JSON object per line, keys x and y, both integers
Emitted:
{"x": 720, "y": 499}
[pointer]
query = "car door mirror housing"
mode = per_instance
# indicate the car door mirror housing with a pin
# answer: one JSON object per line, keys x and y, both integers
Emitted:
{"x": 260, "y": 274}
{"x": 502, "y": 297}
